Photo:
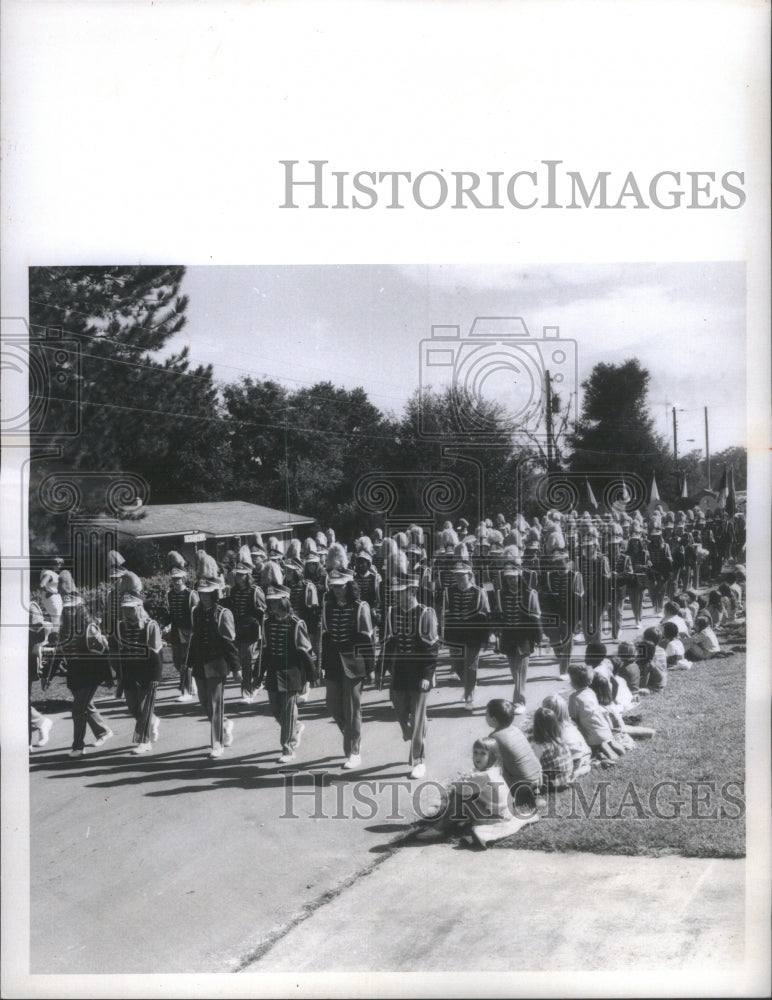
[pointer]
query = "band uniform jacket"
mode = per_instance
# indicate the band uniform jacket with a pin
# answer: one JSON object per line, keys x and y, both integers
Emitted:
{"x": 467, "y": 616}
{"x": 84, "y": 667}
{"x": 410, "y": 647}
{"x": 180, "y": 610}
{"x": 247, "y": 605}
{"x": 213, "y": 640}
{"x": 287, "y": 663}
{"x": 561, "y": 602}
{"x": 139, "y": 648}
{"x": 519, "y": 614}
{"x": 369, "y": 587}
{"x": 347, "y": 630}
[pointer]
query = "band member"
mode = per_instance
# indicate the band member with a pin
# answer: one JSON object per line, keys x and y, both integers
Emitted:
{"x": 51, "y": 602}
{"x": 368, "y": 579}
{"x": 561, "y": 607}
{"x": 410, "y": 648}
{"x": 442, "y": 569}
{"x": 377, "y": 554}
{"x": 246, "y": 602}
{"x": 288, "y": 667}
{"x": 275, "y": 551}
{"x": 639, "y": 557}
{"x": 258, "y": 555}
{"x": 181, "y": 600}
{"x": 304, "y": 602}
{"x": 519, "y": 619}
{"x": 660, "y": 567}
{"x": 39, "y": 630}
{"x": 139, "y": 649}
{"x": 467, "y": 624}
{"x": 213, "y": 651}
{"x": 313, "y": 570}
{"x": 596, "y": 576}
{"x": 348, "y": 656}
{"x": 622, "y": 578}
{"x": 84, "y": 649}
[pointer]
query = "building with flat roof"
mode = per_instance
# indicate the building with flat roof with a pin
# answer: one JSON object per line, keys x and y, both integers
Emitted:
{"x": 187, "y": 527}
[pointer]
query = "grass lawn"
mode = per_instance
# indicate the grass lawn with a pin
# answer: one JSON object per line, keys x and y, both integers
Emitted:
{"x": 680, "y": 792}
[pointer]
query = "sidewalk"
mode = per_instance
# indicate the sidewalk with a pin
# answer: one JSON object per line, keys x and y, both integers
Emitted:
{"x": 434, "y": 907}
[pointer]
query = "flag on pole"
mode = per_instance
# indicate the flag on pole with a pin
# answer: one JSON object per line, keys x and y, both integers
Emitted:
{"x": 654, "y": 492}
{"x": 731, "y": 497}
{"x": 684, "y": 489}
{"x": 722, "y": 491}
{"x": 589, "y": 496}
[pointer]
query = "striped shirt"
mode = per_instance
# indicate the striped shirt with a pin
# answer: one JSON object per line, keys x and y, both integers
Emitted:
{"x": 461, "y": 606}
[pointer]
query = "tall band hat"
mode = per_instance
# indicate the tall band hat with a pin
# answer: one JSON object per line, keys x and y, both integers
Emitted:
{"x": 308, "y": 550}
{"x": 321, "y": 541}
{"x": 337, "y": 557}
{"x": 130, "y": 584}
{"x": 495, "y": 538}
{"x": 339, "y": 577}
{"x": 277, "y": 592}
{"x": 115, "y": 564}
{"x": 271, "y": 576}
{"x": 330, "y": 536}
{"x": 513, "y": 561}
{"x": 275, "y": 550}
{"x": 448, "y": 538}
{"x": 208, "y": 579}
{"x": 404, "y": 582}
{"x": 244, "y": 562}
{"x": 176, "y": 565}
{"x": 292, "y": 558}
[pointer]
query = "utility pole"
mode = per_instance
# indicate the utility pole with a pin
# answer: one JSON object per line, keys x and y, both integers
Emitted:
{"x": 707, "y": 447}
{"x": 548, "y": 382}
{"x": 675, "y": 442}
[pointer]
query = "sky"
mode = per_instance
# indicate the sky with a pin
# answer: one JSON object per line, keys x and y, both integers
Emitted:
{"x": 363, "y": 326}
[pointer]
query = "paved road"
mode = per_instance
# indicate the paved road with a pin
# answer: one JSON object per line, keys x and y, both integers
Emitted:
{"x": 177, "y": 863}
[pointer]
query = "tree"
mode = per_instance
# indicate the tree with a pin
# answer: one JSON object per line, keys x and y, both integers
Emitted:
{"x": 134, "y": 413}
{"x": 616, "y": 432}
{"x": 735, "y": 458}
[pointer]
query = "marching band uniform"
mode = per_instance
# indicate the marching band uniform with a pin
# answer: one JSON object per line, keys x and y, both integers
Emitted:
{"x": 596, "y": 576}
{"x": 287, "y": 667}
{"x": 213, "y": 652}
{"x": 466, "y": 627}
{"x": 348, "y": 656}
{"x": 38, "y": 631}
{"x": 246, "y": 602}
{"x": 139, "y": 649}
{"x": 410, "y": 647}
{"x": 660, "y": 568}
{"x": 622, "y": 577}
{"x": 519, "y": 619}
{"x": 639, "y": 557}
{"x": 368, "y": 580}
{"x": 561, "y": 607}
{"x": 84, "y": 650}
{"x": 181, "y": 601}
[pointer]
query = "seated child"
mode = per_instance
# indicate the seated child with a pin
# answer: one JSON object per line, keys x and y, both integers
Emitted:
{"x": 704, "y": 644}
{"x": 577, "y": 744}
{"x": 519, "y": 764}
{"x": 596, "y": 656}
{"x": 479, "y": 798}
{"x": 692, "y": 603}
{"x": 605, "y": 694}
{"x": 685, "y": 611}
{"x": 733, "y": 606}
{"x": 674, "y": 648}
{"x": 672, "y": 614}
{"x": 652, "y": 660}
{"x": 557, "y": 764}
{"x": 584, "y": 709}
{"x": 626, "y": 667}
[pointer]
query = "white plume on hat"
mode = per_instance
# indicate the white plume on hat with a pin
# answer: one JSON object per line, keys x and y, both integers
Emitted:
{"x": 274, "y": 545}
{"x": 448, "y": 537}
{"x": 395, "y": 558}
{"x": 321, "y": 539}
{"x": 130, "y": 583}
{"x": 206, "y": 566}
{"x": 415, "y": 535}
{"x": 271, "y": 575}
{"x": 293, "y": 550}
{"x": 401, "y": 539}
{"x": 115, "y": 560}
{"x": 337, "y": 557}
{"x": 245, "y": 556}
{"x": 174, "y": 560}
{"x": 495, "y": 537}
{"x": 330, "y": 535}
{"x": 308, "y": 548}
{"x": 364, "y": 544}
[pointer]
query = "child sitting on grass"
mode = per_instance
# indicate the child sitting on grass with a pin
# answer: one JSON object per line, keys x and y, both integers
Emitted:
{"x": 481, "y": 797}
{"x": 577, "y": 744}
{"x": 519, "y": 764}
{"x": 584, "y": 709}
{"x": 606, "y": 695}
{"x": 626, "y": 667}
{"x": 557, "y": 764}
{"x": 596, "y": 656}
{"x": 704, "y": 644}
{"x": 652, "y": 660}
{"x": 675, "y": 654}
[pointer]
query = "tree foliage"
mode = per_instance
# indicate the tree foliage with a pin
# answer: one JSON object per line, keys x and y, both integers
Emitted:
{"x": 615, "y": 433}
